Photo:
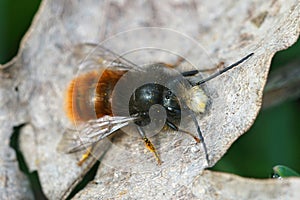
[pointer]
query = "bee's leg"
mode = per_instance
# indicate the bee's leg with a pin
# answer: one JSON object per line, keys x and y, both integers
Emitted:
{"x": 198, "y": 139}
{"x": 85, "y": 156}
{"x": 149, "y": 144}
{"x": 175, "y": 128}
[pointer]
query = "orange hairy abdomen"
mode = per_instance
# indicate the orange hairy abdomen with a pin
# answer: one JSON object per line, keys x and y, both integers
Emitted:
{"x": 89, "y": 95}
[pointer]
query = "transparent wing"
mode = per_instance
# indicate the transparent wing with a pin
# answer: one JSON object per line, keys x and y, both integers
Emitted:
{"x": 91, "y": 132}
{"x": 93, "y": 56}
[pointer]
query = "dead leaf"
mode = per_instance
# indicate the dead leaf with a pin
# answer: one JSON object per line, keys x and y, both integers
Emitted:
{"x": 205, "y": 33}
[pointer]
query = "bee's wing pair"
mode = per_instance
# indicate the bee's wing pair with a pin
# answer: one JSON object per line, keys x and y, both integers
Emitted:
{"x": 93, "y": 56}
{"x": 91, "y": 132}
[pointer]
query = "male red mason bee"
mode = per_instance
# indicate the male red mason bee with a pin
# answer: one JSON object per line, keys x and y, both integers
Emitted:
{"x": 91, "y": 98}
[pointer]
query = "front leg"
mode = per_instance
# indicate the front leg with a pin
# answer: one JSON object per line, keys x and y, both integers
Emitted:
{"x": 149, "y": 144}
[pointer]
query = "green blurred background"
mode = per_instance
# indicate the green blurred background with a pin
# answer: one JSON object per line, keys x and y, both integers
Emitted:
{"x": 273, "y": 139}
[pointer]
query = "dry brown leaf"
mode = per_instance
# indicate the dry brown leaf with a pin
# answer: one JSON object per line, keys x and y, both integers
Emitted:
{"x": 206, "y": 33}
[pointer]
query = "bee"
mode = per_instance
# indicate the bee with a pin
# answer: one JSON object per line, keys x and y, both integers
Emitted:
{"x": 91, "y": 100}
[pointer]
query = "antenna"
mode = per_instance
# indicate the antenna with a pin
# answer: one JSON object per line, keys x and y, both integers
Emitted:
{"x": 224, "y": 70}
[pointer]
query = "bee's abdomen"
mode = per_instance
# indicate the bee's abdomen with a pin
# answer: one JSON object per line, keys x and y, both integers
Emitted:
{"x": 89, "y": 95}
{"x": 104, "y": 90}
